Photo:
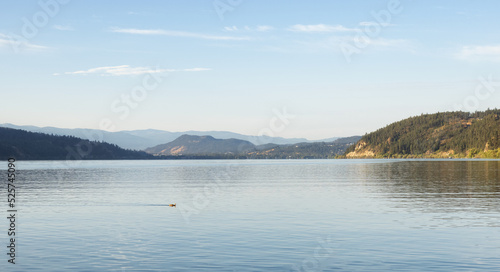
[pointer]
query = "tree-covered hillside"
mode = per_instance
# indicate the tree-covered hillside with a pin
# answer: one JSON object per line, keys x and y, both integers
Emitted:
{"x": 447, "y": 134}
{"x": 25, "y": 145}
{"x": 319, "y": 150}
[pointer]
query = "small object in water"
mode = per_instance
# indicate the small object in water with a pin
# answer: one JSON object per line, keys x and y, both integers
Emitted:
{"x": 172, "y": 205}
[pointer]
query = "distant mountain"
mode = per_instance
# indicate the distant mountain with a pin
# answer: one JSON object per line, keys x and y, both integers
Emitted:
{"x": 160, "y": 136}
{"x": 142, "y": 139}
{"x": 200, "y": 146}
{"x": 439, "y": 135}
{"x": 190, "y": 144}
{"x": 318, "y": 141}
{"x": 26, "y": 145}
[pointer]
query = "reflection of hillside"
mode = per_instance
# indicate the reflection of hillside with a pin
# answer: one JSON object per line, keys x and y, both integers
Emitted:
{"x": 463, "y": 188}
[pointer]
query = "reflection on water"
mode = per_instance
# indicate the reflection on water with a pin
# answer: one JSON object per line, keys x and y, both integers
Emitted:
{"x": 458, "y": 192}
{"x": 296, "y": 215}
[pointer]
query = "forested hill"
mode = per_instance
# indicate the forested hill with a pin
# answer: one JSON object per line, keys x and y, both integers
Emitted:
{"x": 25, "y": 145}
{"x": 202, "y": 145}
{"x": 440, "y": 135}
{"x": 320, "y": 150}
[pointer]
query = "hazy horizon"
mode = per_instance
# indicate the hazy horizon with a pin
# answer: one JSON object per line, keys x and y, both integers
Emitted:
{"x": 186, "y": 131}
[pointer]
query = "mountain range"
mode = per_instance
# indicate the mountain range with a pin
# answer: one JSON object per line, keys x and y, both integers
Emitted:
{"x": 142, "y": 139}
{"x": 188, "y": 145}
{"x": 440, "y": 135}
{"x": 26, "y": 145}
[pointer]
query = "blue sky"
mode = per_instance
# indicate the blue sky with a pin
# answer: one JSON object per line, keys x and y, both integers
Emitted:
{"x": 287, "y": 68}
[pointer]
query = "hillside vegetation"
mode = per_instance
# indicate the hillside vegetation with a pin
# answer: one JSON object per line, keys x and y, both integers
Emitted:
{"x": 320, "y": 150}
{"x": 439, "y": 135}
{"x": 26, "y": 145}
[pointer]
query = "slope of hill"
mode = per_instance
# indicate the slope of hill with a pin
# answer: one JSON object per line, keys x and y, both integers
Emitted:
{"x": 26, "y": 145}
{"x": 319, "y": 150}
{"x": 440, "y": 135}
{"x": 201, "y": 145}
{"x": 122, "y": 139}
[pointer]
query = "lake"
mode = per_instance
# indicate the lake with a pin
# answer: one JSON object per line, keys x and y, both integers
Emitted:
{"x": 256, "y": 215}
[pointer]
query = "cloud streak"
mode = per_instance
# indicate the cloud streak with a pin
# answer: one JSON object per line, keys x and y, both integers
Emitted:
{"x": 63, "y": 27}
{"x": 174, "y": 33}
{"x": 127, "y": 70}
{"x": 320, "y": 28}
{"x": 260, "y": 28}
{"x": 479, "y": 53}
{"x": 18, "y": 43}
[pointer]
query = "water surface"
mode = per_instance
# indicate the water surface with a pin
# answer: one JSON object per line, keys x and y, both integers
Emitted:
{"x": 257, "y": 215}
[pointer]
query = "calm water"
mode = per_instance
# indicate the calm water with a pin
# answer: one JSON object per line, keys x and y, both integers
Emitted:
{"x": 293, "y": 215}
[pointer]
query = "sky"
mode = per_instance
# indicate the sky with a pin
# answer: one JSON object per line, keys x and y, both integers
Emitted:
{"x": 311, "y": 69}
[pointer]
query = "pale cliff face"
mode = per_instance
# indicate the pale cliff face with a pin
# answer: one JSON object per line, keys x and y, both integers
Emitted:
{"x": 360, "y": 145}
{"x": 361, "y": 152}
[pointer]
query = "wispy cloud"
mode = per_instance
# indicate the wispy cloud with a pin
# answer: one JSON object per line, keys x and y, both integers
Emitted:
{"x": 127, "y": 70}
{"x": 399, "y": 43}
{"x": 231, "y": 28}
{"x": 264, "y": 28}
{"x": 320, "y": 28}
{"x": 260, "y": 28}
{"x": 63, "y": 27}
{"x": 336, "y": 42}
{"x": 175, "y": 33}
{"x": 18, "y": 43}
{"x": 479, "y": 53}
